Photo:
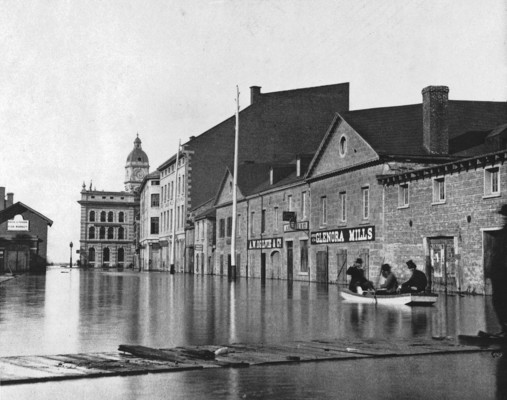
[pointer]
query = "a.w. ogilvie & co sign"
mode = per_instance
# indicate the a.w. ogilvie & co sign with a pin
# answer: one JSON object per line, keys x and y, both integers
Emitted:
{"x": 345, "y": 235}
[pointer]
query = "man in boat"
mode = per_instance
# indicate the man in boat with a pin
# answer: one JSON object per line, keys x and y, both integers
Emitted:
{"x": 357, "y": 278}
{"x": 498, "y": 275}
{"x": 390, "y": 285}
{"x": 417, "y": 282}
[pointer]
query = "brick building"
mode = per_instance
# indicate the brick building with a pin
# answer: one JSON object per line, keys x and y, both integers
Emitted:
{"x": 23, "y": 237}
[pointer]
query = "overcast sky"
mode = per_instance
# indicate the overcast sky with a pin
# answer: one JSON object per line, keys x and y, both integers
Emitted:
{"x": 79, "y": 79}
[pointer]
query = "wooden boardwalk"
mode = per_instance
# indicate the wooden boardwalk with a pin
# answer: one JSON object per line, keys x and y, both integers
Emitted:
{"x": 136, "y": 360}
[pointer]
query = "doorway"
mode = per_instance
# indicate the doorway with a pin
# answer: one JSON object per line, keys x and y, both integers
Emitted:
{"x": 290, "y": 261}
{"x": 322, "y": 267}
{"x": 443, "y": 264}
{"x": 263, "y": 267}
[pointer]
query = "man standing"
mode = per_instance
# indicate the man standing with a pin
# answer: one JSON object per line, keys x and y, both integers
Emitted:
{"x": 418, "y": 281}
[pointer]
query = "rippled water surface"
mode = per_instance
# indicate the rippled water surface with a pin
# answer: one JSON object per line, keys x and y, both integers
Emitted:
{"x": 70, "y": 311}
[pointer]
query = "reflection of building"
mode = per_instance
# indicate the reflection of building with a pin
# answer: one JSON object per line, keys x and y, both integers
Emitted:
{"x": 23, "y": 236}
{"x": 108, "y": 218}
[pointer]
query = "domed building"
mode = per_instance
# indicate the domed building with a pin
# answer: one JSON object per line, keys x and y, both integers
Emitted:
{"x": 108, "y": 236}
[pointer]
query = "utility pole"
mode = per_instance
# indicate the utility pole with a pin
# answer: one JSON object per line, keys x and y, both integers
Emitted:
{"x": 234, "y": 191}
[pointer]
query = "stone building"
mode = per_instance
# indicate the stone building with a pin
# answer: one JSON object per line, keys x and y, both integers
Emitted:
{"x": 108, "y": 235}
{"x": 446, "y": 218}
{"x": 23, "y": 237}
{"x": 149, "y": 226}
{"x": 348, "y": 204}
{"x": 174, "y": 203}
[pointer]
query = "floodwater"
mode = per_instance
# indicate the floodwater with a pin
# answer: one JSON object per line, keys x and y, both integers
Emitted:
{"x": 71, "y": 311}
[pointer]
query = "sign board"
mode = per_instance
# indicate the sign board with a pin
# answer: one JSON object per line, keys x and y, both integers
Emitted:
{"x": 296, "y": 226}
{"x": 266, "y": 243}
{"x": 346, "y": 235}
{"x": 18, "y": 224}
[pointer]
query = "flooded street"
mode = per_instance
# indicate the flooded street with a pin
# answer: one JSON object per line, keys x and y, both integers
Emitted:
{"x": 73, "y": 311}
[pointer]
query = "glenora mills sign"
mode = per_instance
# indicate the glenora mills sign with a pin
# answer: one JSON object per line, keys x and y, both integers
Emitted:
{"x": 346, "y": 235}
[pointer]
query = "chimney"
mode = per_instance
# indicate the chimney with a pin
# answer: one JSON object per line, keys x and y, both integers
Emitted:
{"x": 2, "y": 198}
{"x": 10, "y": 200}
{"x": 435, "y": 121}
{"x": 255, "y": 94}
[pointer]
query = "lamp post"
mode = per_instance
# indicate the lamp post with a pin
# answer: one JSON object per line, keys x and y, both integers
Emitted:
{"x": 71, "y": 253}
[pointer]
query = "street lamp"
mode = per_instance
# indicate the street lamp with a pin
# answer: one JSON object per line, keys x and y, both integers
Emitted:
{"x": 71, "y": 253}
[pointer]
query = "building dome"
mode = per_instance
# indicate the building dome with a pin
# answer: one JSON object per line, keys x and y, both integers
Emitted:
{"x": 137, "y": 155}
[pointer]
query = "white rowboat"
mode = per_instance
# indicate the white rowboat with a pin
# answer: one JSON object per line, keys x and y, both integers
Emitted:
{"x": 409, "y": 299}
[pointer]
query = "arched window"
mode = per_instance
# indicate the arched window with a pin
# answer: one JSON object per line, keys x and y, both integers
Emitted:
{"x": 121, "y": 217}
{"x": 121, "y": 254}
{"x": 91, "y": 232}
{"x": 121, "y": 233}
{"x": 92, "y": 216}
{"x": 103, "y": 216}
{"x": 91, "y": 254}
{"x": 110, "y": 232}
{"x": 102, "y": 233}
{"x": 110, "y": 216}
{"x": 106, "y": 254}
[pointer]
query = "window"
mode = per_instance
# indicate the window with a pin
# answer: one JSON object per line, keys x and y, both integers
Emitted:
{"x": 343, "y": 206}
{"x": 102, "y": 232}
{"x": 439, "y": 190}
{"x": 106, "y": 254}
{"x": 289, "y": 202}
{"x": 121, "y": 255}
{"x": 275, "y": 217}
{"x": 366, "y": 202}
{"x": 103, "y": 216}
{"x": 230, "y": 187}
{"x": 323, "y": 210}
{"x": 171, "y": 214}
{"x": 92, "y": 216}
{"x": 221, "y": 228}
{"x": 154, "y": 226}
{"x": 263, "y": 221}
{"x": 303, "y": 204}
{"x": 91, "y": 232}
{"x": 155, "y": 200}
{"x": 229, "y": 226}
{"x": 110, "y": 216}
{"x": 91, "y": 254}
{"x": 492, "y": 181}
{"x": 252, "y": 222}
{"x": 343, "y": 146}
{"x": 403, "y": 195}
{"x": 110, "y": 232}
{"x": 121, "y": 232}
{"x": 155, "y": 183}
{"x": 121, "y": 217}
{"x": 238, "y": 225}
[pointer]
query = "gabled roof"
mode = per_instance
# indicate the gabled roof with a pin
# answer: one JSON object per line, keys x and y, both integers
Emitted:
{"x": 399, "y": 130}
{"x": 275, "y": 128}
{"x": 18, "y": 208}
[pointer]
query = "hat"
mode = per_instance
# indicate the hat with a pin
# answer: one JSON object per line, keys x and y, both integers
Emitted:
{"x": 385, "y": 267}
{"x": 411, "y": 264}
{"x": 503, "y": 210}
{"x": 359, "y": 260}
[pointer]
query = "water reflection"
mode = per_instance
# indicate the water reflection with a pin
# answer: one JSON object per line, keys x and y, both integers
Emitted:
{"x": 84, "y": 311}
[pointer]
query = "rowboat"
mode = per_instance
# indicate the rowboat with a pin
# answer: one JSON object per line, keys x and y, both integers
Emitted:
{"x": 484, "y": 339}
{"x": 409, "y": 299}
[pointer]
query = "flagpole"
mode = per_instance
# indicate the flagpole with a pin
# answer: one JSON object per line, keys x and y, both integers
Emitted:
{"x": 234, "y": 191}
{"x": 173, "y": 246}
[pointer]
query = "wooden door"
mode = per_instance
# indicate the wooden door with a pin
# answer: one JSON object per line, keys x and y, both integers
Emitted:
{"x": 443, "y": 264}
{"x": 341, "y": 259}
{"x": 263, "y": 266}
{"x": 322, "y": 267}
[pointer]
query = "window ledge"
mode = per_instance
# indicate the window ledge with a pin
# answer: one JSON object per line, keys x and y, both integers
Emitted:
{"x": 404, "y": 206}
{"x": 438, "y": 203}
{"x": 491, "y": 196}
